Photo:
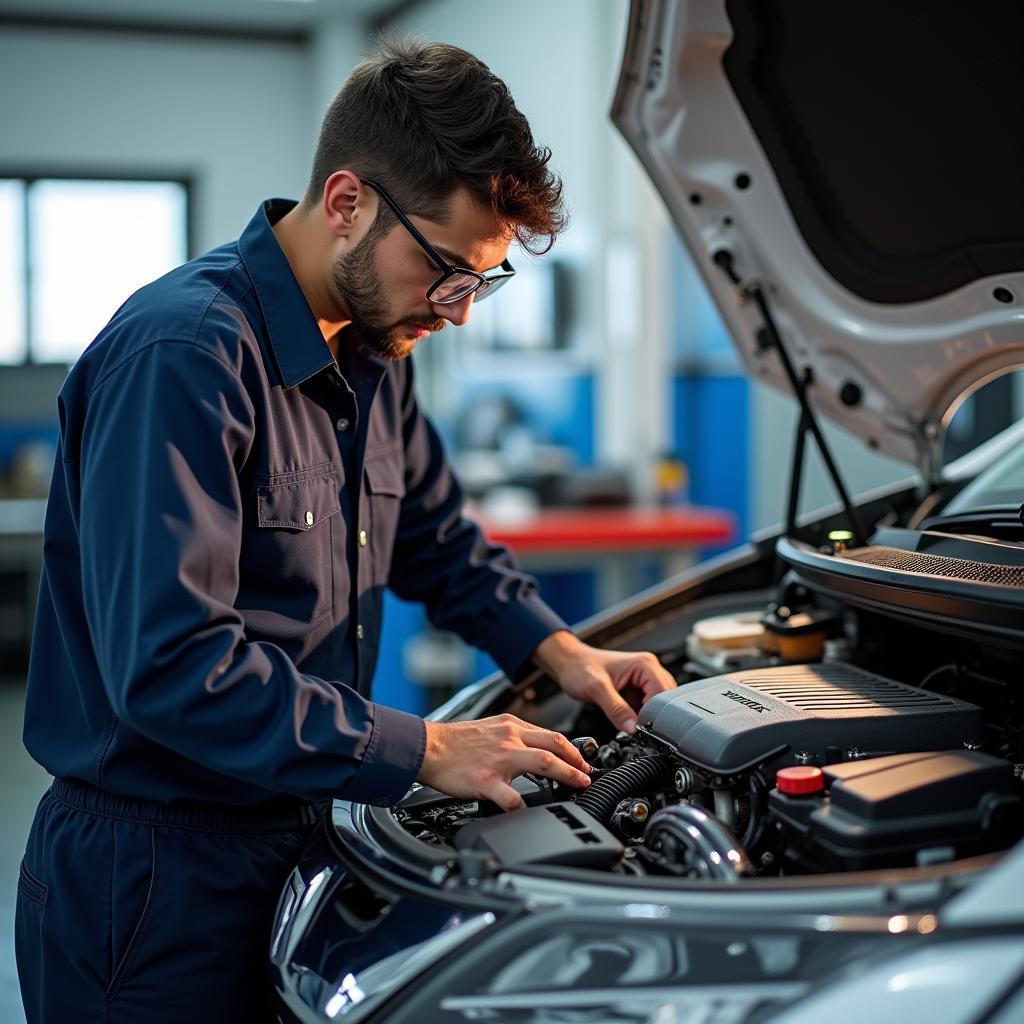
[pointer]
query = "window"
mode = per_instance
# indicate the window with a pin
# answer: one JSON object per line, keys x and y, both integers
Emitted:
{"x": 71, "y": 252}
{"x": 12, "y": 273}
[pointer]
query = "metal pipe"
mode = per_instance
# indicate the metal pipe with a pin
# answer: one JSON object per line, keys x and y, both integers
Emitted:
{"x": 714, "y": 851}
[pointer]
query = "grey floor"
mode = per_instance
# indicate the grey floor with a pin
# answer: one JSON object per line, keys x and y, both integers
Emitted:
{"x": 22, "y": 782}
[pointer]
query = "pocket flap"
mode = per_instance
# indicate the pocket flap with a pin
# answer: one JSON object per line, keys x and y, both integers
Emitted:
{"x": 386, "y": 475}
{"x": 30, "y": 886}
{"x": 298, "y": 504}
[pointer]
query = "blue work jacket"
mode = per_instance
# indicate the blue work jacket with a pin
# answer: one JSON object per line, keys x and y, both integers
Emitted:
{"x": 227, "y": 507}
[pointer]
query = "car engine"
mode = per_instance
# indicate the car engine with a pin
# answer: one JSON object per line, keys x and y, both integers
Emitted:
{"x": 776, "y": 755}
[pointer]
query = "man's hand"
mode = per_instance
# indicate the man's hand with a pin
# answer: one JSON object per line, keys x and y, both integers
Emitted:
{"x": 618, "y": 682}
{"x": 479, "y": 759}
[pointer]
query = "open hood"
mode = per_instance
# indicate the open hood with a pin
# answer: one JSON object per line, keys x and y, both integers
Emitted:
{"x": 861, "y": 167}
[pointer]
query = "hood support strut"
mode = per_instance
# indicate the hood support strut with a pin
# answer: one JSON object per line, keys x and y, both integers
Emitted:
{"x": 808, "y": 422}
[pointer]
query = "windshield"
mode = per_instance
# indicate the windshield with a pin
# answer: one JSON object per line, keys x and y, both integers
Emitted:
{"x": 1001, "y": 484}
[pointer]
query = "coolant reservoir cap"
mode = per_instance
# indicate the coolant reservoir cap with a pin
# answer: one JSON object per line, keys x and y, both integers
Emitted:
{"x": 800, "y": 779}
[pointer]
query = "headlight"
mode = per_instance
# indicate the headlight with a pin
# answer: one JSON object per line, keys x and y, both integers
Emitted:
{"x": 636, "y": 967}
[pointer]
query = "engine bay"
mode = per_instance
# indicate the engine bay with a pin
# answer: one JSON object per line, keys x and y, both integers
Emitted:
{"x": 810, "y": 735}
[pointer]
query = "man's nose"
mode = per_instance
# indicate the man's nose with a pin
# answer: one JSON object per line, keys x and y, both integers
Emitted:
{"x": 456, "y": 313}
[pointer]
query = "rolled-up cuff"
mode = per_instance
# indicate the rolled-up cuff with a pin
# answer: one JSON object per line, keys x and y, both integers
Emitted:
{"x": 393, "y": 758}
{"x": 523, "y": 625}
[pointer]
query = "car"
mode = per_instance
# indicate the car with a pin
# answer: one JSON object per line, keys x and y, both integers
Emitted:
{"x": 824, "y": 819}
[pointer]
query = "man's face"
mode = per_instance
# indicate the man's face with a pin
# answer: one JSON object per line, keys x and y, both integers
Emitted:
{"x": 382, "y": 283}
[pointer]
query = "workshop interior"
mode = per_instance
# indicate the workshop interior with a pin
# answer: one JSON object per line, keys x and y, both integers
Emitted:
{"x": 672, "y": 419}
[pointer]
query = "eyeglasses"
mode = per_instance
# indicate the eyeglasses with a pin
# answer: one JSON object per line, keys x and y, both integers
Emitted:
{"x": 455, "y": 283}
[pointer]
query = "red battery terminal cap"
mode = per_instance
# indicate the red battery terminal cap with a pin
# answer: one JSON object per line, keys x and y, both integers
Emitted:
{"x": 800, "y": 780}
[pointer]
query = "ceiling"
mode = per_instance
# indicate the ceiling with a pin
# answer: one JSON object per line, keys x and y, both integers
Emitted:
{"x": 289, "y": 16}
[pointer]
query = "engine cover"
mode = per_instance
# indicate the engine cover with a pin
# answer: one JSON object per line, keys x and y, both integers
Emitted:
{"x": 826, "y": 713}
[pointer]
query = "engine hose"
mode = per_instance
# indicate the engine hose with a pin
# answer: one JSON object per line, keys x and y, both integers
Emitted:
{"x": 709, "y": 848}
{"x": 635, "y": 778}
{"x": 755, "y": 824}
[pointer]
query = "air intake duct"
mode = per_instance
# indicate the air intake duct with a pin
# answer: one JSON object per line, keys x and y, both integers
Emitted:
{"x": 641, "y": 777}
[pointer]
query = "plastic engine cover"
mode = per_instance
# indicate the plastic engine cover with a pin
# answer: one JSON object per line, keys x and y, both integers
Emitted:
{"x": 826, "y": 713}
{"x": 902, "y": 810}
{"x": 548, "y": 834}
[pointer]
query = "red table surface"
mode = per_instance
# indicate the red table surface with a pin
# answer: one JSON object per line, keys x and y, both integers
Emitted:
{"x": 575, "y": 530}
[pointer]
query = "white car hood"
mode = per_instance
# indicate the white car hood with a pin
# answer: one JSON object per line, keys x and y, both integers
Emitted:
{"x": 864, "y": 164}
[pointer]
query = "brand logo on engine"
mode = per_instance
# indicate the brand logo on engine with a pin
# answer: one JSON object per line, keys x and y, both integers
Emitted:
{"x": 746, "y": 701}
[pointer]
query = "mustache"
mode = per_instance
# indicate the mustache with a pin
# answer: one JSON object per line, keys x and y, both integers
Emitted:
{"x": 432, "y": 324}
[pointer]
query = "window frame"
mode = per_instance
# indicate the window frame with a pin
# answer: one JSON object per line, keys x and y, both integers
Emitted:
{"x": 29, "y": 176}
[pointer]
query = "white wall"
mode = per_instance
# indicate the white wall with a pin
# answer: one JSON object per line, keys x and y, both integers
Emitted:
{"x": 560, "y": 61}
{"x": 338, "y": 45}
{"x": 232, "y": 114}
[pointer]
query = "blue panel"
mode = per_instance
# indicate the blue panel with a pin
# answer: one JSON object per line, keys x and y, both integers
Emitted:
{"x": 14, "y": 437}
{"x": 401, "y": 621}
{"x": 711, "y": 422}
{"x": 571, "y": 594}
{"x": 710, "y": 407}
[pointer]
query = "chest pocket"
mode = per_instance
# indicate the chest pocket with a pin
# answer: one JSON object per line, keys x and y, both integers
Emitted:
{"x": 385, "y": 488}
{"x": 288, "y": 562}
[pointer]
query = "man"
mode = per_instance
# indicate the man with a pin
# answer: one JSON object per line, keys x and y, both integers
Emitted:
{"x": 243, "y": 468}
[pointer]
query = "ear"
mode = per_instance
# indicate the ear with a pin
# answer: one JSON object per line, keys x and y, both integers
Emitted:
{"x": 348, "y": 206}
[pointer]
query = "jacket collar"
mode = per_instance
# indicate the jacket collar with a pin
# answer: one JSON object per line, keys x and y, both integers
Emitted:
{"x": 294, "y": 337}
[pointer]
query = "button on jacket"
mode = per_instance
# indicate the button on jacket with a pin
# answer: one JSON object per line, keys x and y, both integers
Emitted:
{"x": 227, "y": 508}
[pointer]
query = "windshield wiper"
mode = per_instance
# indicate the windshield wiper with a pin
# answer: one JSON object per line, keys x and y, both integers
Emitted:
{"x": 1001, "y": 522}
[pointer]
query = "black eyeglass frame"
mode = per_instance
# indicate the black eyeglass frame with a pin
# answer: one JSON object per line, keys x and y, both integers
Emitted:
{"x": 486, "y": 284}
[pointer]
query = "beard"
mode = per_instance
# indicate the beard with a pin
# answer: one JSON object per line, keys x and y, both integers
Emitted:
{"x": 358, "y": 284}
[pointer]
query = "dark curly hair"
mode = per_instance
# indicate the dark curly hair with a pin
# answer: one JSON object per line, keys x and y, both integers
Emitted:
{"x": 422, "y": 119}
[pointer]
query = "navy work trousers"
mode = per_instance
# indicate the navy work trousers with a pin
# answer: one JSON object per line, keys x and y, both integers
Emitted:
{"x": 131, "y": 910}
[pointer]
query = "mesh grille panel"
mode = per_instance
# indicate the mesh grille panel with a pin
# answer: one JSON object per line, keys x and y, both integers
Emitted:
{"x": 939, "y": 565}
{"x": 836, "y": 688}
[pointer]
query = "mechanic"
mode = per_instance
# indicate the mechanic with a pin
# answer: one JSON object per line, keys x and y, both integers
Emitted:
{"x": 243, "y": 468}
